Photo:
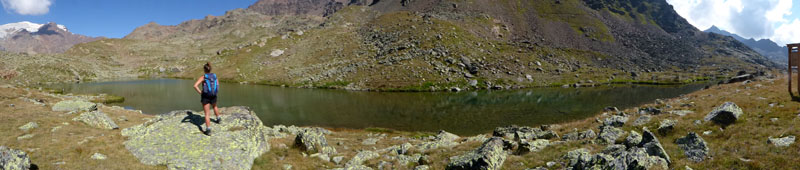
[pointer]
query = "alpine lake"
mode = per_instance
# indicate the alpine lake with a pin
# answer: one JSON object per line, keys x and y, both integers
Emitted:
{"x": 463, "y": 113}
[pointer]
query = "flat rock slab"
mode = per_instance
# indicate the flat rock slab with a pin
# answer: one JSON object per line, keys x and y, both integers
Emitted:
{"x": 74, "y": 105}
{"x": 175, "y": 139}
{"x": 96, "y": 119}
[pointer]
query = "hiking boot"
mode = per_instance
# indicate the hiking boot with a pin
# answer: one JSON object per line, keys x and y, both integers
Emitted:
{"x": 218, "y": 120}
{"x": 208, "y": 131}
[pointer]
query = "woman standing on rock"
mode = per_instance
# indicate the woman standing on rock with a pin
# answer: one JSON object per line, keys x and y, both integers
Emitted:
{"x": 208, "y": 95}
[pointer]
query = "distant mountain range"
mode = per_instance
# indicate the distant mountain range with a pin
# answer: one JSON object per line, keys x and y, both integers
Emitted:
{"x": 775, "y": 52}
{"x": 28, "y": 37}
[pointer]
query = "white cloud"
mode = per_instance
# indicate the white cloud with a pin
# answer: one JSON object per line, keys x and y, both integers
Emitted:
{"x": 757, "y": 19}
{"x": 27, "y": 7}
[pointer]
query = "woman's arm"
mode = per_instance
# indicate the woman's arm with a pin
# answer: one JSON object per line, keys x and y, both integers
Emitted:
{"x": 199, "y": 80}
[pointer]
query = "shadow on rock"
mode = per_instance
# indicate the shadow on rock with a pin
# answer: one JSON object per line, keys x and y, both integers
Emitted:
{"x": 197, "y": 120}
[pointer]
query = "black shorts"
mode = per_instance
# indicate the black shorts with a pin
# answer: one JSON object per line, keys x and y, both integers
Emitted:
{"x": 208, "y": 99}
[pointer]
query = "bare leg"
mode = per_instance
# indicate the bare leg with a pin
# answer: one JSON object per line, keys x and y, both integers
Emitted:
{"x": 216, "y": 110}
{"x": 205, "y": 108}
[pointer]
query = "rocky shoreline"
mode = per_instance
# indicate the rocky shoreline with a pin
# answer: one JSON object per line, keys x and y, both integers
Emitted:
{"x": 691, "y": 131}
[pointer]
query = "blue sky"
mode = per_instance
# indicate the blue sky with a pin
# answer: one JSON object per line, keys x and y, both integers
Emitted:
{"x": 113, "y": 18}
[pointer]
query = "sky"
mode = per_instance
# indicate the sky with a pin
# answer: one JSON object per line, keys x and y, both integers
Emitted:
{"x": 113, "y": 18}
{"x": 777, "y": 20}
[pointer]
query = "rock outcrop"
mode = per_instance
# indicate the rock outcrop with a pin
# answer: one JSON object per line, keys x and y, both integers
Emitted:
{"x": 725, "y": 114}
{"x": 96, "y": 119}
{"x": 313, "y": 141}
{"x": 13, "y": 159}
{"x": 693, "y": 146}
{"x": 74, "y": 105}
{"x": 489, "y": 156}
{"x": 645, "y": 154}
{"x": 175, "y": 139}
{"x": 609, "y": 134}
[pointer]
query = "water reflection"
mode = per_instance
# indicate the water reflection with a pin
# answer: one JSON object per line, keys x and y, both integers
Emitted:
{"x": 462, "y": 113}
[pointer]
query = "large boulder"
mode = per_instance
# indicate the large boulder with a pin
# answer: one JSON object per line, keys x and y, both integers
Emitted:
{"x": 693, "y": 146}
{"x": 96, "y": 119}
{"x": 313, "y": 141}
{"x": 652, "y": 146}
{"x": 489, "y": 156}
{"x": 13, "y": 159}
{"x": 724, "y": 114}
{"x": 175, "y": 139}
{"x": 74, "y": 105}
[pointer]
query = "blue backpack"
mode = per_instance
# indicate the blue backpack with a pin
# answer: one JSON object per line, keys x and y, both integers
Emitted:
{"x": 211, "y": 84}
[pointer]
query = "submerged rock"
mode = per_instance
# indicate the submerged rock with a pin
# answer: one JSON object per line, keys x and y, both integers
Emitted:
{"x": 13, "y": 159}
{"x": 781, "y": 142}
{"x": 693, "y": 146}
{"x": 96, "y": 119}
{"x": 725, "y": 114}
{"x": 175, "y": 139}
{"x": 74, "y": 105}
{"x": 489, "y": 156}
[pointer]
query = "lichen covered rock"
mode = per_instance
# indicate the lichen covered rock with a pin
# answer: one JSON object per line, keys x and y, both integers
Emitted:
{"x": 96, "y": 119}
{"x": 13, "y": 159}
{"x": 74, "y": 105}
{"x": 175, "y": 139}
{"x": 313, "y": 141}
{"x": 489, "y": 156}
{"x": 693, "y": 146}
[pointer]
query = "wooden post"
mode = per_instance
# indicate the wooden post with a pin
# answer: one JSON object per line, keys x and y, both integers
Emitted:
{"x": 794, "y": 63}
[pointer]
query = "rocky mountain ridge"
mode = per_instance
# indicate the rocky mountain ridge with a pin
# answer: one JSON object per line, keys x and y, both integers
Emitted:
{"x": 47, "y": 38}
{"x": 435, "y": 45}
{"x": 773, "y": 51}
